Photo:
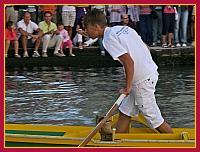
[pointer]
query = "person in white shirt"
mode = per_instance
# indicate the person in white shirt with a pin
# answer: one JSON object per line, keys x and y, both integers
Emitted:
{"x": 30, "y": 34}
{"x": 124, "y": 44}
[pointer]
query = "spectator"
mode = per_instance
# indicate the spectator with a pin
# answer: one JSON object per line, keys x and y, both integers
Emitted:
{"x": 157, "y": 25}
{"x": 10, "y": 14}
{"x": 134, "y": 12}
{"x": 81, "y": 37}
{"x": 80, "y": 12}
{"x": 30, "y": 34}
{"x": 79, "y": 34}
{"x": 20, "y": 9}
{"x": 11, "y": 37}
{"x": 181, "y": 22}
{"x": 68, "y": 18}
{"x": 66, "y": 40}
{"x": 50, "y": 8}
{"x": 168, "y": 25}
{"x": 115, "y": 14}
{"x": 145, "y": 25}
{"x": 125, "y": 21}
{"x": 51, "y": 36}
{"x": 193, "y": 25}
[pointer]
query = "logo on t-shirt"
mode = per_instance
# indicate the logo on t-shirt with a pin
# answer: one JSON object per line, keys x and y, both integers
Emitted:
{"x": 123, "y": 30}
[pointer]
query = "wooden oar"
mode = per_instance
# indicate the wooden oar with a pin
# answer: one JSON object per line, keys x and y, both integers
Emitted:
{"x": 103, "y": 121}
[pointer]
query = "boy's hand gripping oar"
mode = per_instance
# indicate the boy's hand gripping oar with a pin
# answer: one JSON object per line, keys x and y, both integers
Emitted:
{"x": 103, "y": 121}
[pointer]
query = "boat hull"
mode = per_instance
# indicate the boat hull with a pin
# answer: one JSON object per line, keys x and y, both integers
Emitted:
{"x": 21, "y": 135}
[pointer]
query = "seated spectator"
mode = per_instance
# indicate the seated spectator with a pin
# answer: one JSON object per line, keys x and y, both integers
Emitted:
{"x": 30, "y": 34}
{"x": 51, "y": 36}
{"x": 125, "y": 21}
{"x": 81, "y": 36}
{"x": 50, "y": 8}
{"x": 66, "y": 40}
{"x": 11, "y": 37}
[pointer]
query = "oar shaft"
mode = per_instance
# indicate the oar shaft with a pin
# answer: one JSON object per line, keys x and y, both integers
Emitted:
{"x": 103, "y": 121}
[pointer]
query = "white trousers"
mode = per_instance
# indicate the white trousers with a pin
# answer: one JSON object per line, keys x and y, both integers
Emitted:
{"x": 49, "y": 42}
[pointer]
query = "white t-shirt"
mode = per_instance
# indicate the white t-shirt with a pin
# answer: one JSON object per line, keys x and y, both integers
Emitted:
{"x": 30, "y": 28}
{"x": 119, "y": 40}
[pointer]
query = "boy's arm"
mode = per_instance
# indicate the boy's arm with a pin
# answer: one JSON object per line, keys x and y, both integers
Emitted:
{"x": 129, "y": 71}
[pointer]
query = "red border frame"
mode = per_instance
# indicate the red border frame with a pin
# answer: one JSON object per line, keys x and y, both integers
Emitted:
{"x": 96, "y": 149}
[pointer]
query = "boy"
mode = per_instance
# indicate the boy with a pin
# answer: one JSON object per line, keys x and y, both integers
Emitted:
{"x": 124, "y": 44}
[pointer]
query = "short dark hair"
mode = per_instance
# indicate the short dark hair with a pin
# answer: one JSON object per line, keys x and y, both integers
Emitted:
{"x": 9, "y": 23}
{"x": 47, "y": 12}
{"x": 95, "y": 16}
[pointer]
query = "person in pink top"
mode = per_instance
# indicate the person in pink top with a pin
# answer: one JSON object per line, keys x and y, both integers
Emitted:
{"x": 11, "y": 37}
{"x": 66, "y": 40}
{"x": 168, "y": 25}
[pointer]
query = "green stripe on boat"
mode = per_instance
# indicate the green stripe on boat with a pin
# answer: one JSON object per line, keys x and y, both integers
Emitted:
{"x": 44, "y": 133}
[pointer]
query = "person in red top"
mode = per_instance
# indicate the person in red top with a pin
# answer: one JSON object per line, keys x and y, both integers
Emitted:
{"x": 11, "y": 37}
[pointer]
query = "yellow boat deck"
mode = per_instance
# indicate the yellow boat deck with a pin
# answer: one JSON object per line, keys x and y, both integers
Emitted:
{"x": 73, "y": 136}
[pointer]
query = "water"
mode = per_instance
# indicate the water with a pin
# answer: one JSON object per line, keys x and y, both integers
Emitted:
{"x": 73, "y": 96}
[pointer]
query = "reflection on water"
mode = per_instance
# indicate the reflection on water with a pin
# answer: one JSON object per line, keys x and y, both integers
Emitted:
{"x": 75, "y": 96}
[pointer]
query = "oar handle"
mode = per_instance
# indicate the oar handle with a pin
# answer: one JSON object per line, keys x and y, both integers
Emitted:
{"x": 103, "y": 121}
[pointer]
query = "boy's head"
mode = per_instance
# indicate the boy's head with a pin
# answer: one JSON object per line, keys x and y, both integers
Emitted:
{"x": 95, "y": 16}
{"x": 94, "y": 21}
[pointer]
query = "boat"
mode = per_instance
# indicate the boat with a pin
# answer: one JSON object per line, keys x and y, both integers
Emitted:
{"x": 28, "y": 135}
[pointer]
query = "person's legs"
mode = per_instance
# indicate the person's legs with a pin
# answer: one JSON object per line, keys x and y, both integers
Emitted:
{"x": 45, "y": 40}
{"x": 16, "y": 47}
{"x": 24, "y": 45}
{"x": 146, "y": 102}
{"x": 123, "y": 123}
{"x": 56, "y": 41}
{"x": 184, "y": 23}
{"x": 149, "y": 29}
{"x": 37, "y": 44}
{"x": 171, "y": 30}
{"x": 7, "y": 46}
{"x": 165, "y": 29}
{"x": 142, "y": 27}
{"x": 155, "y": 30}
{"x": 164, "y": 128}
{"x": 176, "y": 26}
{"x": 170, "y": 38}
{"x": 70, "y": 45}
